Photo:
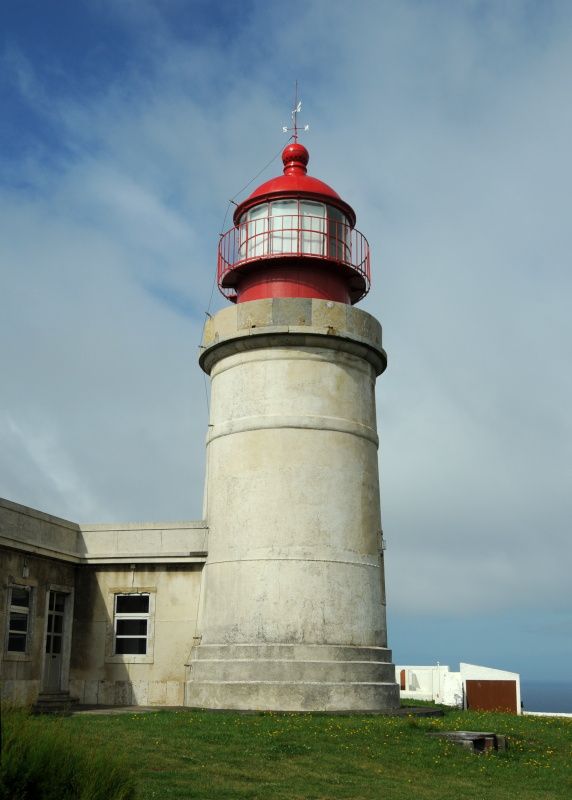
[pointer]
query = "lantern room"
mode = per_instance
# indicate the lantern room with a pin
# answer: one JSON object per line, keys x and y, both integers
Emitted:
{"x": 294, "y": 236}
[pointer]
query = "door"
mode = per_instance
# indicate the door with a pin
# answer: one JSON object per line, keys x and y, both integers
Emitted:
{"x": 54, "y": 641}
{"x": 492, "y": 696}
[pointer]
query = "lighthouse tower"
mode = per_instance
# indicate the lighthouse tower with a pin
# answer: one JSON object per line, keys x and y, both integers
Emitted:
{"x": 292, "y": 612}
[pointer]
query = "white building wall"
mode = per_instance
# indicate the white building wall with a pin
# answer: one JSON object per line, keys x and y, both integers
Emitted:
{"x": 423, "y": 682}
{"x": 476, "y": 672}
{"x": 440, "y": 685}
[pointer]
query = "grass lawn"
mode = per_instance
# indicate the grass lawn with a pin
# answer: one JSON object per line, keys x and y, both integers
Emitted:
{"x": 196, "y": 754}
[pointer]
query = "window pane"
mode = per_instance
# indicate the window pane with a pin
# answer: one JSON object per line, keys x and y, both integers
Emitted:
{"x": 257, "y": 242}
{"x": 20, "y": 597}
{"x": 337, "y": 241}
{"x": 283, "y": 208}
{"x": 131, "y": 646}
{"x": 338, "y": 235}
{"x": 59, "y": 601}
{"x": 284, "y": 226}
{"x": 57, "y": 644}
{"x": 310, "y": 209}
{"x": 18, "y": 622}
{"x": 285, "y": 234}
{"x": 48, "y": 644}
{"x": 132, "y": 627}
{"x": 254, "y": 235}
{"x": 257, "y": 212}
{"x": 17, "y": 643}
{"x": 314, "y": 227}
{"x": 58, "y": 624}
{"x": 132, "y": 603}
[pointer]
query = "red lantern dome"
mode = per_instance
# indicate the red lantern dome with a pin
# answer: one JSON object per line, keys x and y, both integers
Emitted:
{"x": 294, "y": 237}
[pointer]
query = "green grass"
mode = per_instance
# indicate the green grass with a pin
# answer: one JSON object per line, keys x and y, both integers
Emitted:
{"x": 49, "y": 762}
{"x": 194, "y": 754}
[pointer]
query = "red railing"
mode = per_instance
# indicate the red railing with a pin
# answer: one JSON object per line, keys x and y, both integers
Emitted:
{"x": 294, "y": 235}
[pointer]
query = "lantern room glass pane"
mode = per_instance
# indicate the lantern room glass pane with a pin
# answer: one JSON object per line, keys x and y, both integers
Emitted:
{"x": 284, "y": 226}
{"x": 338, "y": 235}
{"x": 254, "y": 233}
{"x": 313, "y": 223}
{"x": 294, "y": 226}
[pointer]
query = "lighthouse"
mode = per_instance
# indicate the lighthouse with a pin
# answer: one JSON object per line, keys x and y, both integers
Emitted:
{"x": 292, "y": 610}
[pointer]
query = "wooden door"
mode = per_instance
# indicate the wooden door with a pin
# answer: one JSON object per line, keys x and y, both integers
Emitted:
{"x": 54, "y": 641}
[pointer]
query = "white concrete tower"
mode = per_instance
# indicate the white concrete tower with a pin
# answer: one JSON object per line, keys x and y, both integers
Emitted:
{"x": 293, "y": 601}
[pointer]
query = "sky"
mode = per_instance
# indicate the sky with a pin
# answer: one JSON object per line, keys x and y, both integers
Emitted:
{"x": 126, "y": 126}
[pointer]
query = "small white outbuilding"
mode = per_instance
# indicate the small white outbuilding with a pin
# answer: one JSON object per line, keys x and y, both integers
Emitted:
{"x": 473, "y": 686}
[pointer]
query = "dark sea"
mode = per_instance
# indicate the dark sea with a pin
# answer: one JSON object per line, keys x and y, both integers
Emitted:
{"x": 546, "y": 696}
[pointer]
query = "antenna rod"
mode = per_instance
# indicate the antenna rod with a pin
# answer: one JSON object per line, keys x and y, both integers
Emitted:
{"x": 295, "y": 114}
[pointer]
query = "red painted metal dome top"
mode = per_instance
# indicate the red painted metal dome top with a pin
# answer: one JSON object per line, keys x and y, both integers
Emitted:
{"x": 295, "y": 182}
{"x": 294, "y": 237}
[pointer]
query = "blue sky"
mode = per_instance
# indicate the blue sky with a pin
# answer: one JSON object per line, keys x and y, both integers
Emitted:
{"x": 126, "y": 126}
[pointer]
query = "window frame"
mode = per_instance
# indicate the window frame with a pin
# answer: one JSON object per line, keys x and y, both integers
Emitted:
{"x": 19, "y": 655}
{"x": 115, "y": 617}
{"x": 127, "y": 616}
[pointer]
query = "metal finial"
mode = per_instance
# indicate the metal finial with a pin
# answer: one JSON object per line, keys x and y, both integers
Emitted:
{"x": 295, "y": 111}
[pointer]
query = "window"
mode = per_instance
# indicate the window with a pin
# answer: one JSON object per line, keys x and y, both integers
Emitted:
{"x": 131, "y": 630}
{"x": 254, "y": 235}
{"x": 19, "y": 619}
{"x": 338, "y": 235}
{"x": 131, "y": 624}
{"x": 294, "y": 226}
{"x": 55, "y": 622}
{"x": 314, "y": 227}
{"x": 284, "y": 224}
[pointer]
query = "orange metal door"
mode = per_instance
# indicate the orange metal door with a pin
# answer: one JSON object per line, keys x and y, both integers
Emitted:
{"x": 492, "y": 696}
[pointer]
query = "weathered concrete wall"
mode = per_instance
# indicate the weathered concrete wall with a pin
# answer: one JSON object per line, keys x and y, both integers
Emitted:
{"x": 293, "y": 500}
{"x": 293, "y": 495}
{"x": 99, "y": 677}
{"x": 21, "y": 673}
{"x": 165, "y": 542}
{"x": 36, "y": 532}
{"x": 164, "y": 559}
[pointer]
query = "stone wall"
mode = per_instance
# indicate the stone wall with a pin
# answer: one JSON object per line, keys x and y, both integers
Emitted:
{"x": 45, "y": 559}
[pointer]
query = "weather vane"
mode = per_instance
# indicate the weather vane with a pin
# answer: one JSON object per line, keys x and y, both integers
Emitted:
{"x": 295, "y": 111}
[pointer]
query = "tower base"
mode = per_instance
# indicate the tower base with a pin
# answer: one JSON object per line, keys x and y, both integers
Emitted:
{"x": 292, "y": 677}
